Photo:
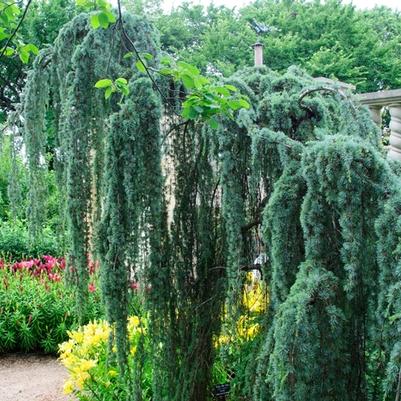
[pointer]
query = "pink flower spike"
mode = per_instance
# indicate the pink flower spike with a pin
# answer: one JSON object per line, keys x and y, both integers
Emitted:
{"x": 91, "y": 287}
{"x": 134, "y": 285}
{"x": 61, "y": 263}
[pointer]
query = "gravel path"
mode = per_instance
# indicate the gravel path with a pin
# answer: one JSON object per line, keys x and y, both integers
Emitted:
{"x": 31, "y": 378}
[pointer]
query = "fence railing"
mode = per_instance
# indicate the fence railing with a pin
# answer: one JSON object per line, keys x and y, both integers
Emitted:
{"x": 376, "y": 101}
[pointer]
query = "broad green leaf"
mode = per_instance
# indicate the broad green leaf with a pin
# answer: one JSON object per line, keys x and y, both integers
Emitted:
{"x": 128, "y": 55}
{"x": 103, "y": 4}
{"x": 23, "y": 55}
{"x": 234, "y": 104}
{"x": 147, "y": 56}
{"x": 244, "y": 103}
{"x": 9, "y": 51}
{"x": 121, "y": 81}
{"x": 198, "y": 83}
{"x": 103, "y": 20}
{"x": 140, "y": 66}
{"x": 165, "y": 60}
{"x": 210, "y": 97}
{"x": 214, "y": 106}
{"x": 124, "y": 89}
{"x": 10, "y": 12}
{"x": 103, "y": 83}
{"x": 4, "y": 18}
{"x": 95, "y": 23}
{"x": 190, "y": 68}
{"x": 213, "y": 123}
{"x": 3, "y": 35}
{"x": 111, "y": 17}
{"x": 15, "y": 9}
{"x": 188, "y": 112}
{"x": 185, "y": 113}
{"x": 81, "y": 3}
{"x": 166, "y": 71}
{"x": 188, "y": 81}
{"x": 193, "y": 99}
{"x": 222, "y": 90}
{"x": 31, "y": 48}
{"x": 108, "y": 92}
{"x": 231, "y": 88}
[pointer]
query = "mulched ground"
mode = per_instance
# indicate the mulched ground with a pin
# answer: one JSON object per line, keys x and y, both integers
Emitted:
{"x": 29, "y": 377}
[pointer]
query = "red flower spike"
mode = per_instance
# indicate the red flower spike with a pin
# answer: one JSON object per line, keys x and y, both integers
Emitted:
{"x": 134, "y": 285}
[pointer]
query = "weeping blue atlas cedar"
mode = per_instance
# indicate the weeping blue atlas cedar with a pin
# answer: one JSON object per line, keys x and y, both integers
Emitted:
{"x": 301, "y": 176}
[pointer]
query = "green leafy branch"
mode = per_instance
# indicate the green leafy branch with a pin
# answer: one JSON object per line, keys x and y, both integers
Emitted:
{"x": 205, "y": 100}
{"x": 9, "y": 26}
{"x": 119, "y": 22}
{"x": 102, "y": 17}
{"x": 110, "y": 87}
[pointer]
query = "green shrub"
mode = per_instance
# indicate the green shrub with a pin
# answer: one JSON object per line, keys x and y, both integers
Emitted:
{"x": 37, "y": 311}
{"x": 16, "y": 245}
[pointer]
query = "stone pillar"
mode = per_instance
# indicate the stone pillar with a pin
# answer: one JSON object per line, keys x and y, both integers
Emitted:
{"x": 394, "y": 152}
{"x": 258, "y": 54}
{"x": 376, "y": 114}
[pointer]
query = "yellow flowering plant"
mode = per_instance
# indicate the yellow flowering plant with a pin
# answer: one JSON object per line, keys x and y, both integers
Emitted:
{"x": 233, "y": 344}
{"x": 91, "y": 376}
{"x": 254, "y": 302}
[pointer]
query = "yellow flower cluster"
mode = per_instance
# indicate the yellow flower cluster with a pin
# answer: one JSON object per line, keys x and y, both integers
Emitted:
{"x": 255, "y": 297}
{"x": 80, "y": 353}
{"x": 136, "y": 327}
{"x": 86, "y": 346}
{"x": 247, "y": 328}
{"x": 255, "y": 300}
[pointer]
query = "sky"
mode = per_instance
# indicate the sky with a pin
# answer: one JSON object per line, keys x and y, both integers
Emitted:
{"x": 395, "y": 4}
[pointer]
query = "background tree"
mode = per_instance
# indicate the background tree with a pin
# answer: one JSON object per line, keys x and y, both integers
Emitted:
{"x": 40, "y": 27}
{"x": 328, "y": 38}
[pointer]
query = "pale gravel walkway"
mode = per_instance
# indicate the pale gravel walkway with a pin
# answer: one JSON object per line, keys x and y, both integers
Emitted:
{"x": 27, "y": 377}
